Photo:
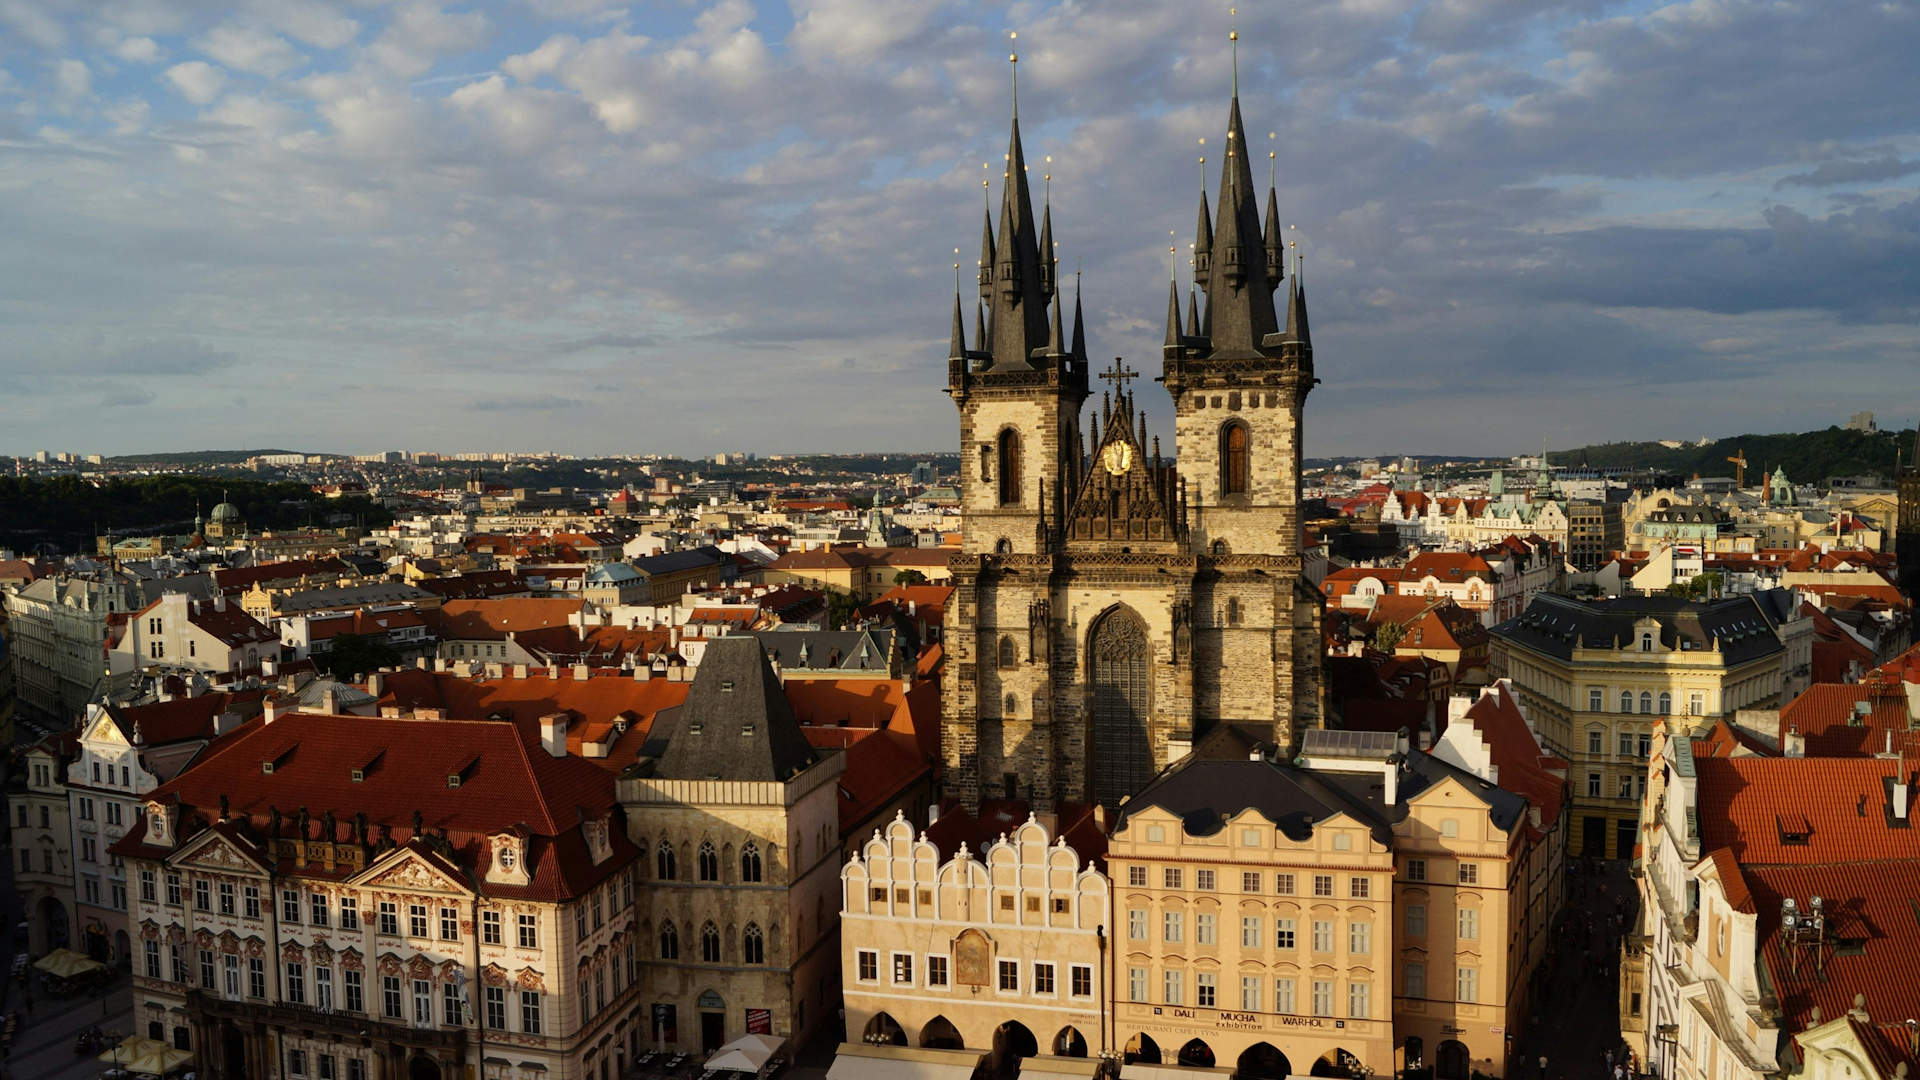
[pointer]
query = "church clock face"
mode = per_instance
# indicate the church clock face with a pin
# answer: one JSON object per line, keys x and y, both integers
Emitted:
{"x": 1117, "y": 458}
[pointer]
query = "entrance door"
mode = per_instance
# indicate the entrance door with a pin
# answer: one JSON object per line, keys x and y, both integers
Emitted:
{"x": 234, "y": 1047}
{"x": 1593, "y": 837}
{"x": 1626, "y": 834}
{"x": 713, "y": 1031}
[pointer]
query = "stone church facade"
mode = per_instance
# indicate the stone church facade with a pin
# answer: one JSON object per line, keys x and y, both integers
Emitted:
{"x": 1111, "y": 602}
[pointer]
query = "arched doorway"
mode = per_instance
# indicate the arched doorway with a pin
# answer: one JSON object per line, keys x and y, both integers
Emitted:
{"x": 53, "y": 923}
{"x": 1070, "y": 1043}
{"x": 1336, "y": 1062}
{"x": 422, "y": 1067}
{"x": 97, "y": 947}
{"x": 122, "y": 949}
{"x": 233, "y": 1047}
{"x": 884, "y": 1029}
{"x": 1011, "y": 1042}
{"x": 940, "y": 1034}
{"x": 1196, "y": 1053}
{"x": 1141, "y": 1048}
{"x": 1117, "y": 656}
{"x": 1413, "y": 1058}
{"x": 1263, "y": 1061}
{"x": 1452, "y": 1061}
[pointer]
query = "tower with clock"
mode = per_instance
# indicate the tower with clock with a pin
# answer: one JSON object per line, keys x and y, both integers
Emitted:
{"x": 1113, "y": 606}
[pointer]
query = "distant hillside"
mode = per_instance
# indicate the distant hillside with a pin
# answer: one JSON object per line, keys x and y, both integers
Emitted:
{"x": 200, "y": 457}
{"x": 65, "y": 513}
{"x": 1809, "y": 457}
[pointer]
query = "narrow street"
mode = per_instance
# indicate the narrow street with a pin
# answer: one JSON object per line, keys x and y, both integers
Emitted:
{"x": 1578, "y": 1019}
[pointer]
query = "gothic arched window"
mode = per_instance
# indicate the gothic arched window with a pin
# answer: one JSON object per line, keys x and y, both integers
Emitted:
{"x": 753, "y": 946}
{"x": 1233, "y": 611}
{"x": 710, "y": 944}
{"x": 1119, "y": 656}
{"x": 709, "y": 862}
{"x": 1233, "y": 459}
{"x": 1009, "y": 654}
{"x": 750, "y": 862}
{"x": 1009, "y": 467}
{"x": 669, "y": 942}
{"x": 1011, "y": 707}
{"x": 663, "y": 862}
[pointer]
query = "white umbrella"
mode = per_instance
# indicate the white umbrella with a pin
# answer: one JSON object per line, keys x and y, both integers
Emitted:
{"x": 745, "y": 1054}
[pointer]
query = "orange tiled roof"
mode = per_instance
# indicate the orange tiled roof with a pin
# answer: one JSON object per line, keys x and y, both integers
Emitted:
{"x": 1745, "y": 804}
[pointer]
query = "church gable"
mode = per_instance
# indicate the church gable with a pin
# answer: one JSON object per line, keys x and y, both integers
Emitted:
{"x": 1126, "y": 494}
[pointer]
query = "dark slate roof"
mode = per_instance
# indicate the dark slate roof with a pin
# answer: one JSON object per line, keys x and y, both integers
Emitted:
{"x": 798, "y": 648}
{"x": 1555, "y": 624}
{"x": 736, "y": 723}
{"x": 672, "y": 562}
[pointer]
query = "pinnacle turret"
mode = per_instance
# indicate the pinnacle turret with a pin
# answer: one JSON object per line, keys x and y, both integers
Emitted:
{"x": 1079, "y": 324}
{"x": 1240, "y": 300}
{"x": 1276, "y": 251}
{"x": 1203, "y": 243}
{"x": 1173, "y": 315}
{"x": 1018, "y": 293}
{"x": 957, "y": 347}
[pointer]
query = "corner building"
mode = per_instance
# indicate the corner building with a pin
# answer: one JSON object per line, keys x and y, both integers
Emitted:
{"x": 1109, "y": 603}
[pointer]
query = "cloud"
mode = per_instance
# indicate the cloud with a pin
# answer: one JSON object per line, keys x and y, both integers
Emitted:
{"x": 127, "y": 395}
{"x": 139, "y": 50}
{"x": 95, "y": 354}
{"x": 197, "y": 81}
{"x": 608, "y": 341}
{"x": 73, "y": 78}
{"x": 516, "y": 403}
{"x": 250, "y": 49}
{"x": 1851, "y": 172}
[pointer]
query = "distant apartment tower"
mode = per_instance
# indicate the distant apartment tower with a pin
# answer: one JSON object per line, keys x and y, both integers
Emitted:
{"x": 925, "y": 474}
{"x": 1862, "y": 421}
{"x": 1595, "y": 529}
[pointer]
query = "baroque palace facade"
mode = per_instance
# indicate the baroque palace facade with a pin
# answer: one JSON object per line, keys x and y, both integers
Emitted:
{"x": 1109, "y": 603}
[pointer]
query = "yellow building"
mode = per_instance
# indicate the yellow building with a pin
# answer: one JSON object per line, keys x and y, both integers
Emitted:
{"x": 1596, "y": 678}
{"x": 1001, "y": 953}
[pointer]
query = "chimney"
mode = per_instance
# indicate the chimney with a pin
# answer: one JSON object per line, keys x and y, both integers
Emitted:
{"x": 269, "y": 668}
{"x": 580, "y": 673}
{"x": 273, "y": 709}
{"x": 1901, "y": 794}
{"x": 642, "y": 672}
{"x": 330, "y": 701}
{"x": 376, "y": 683}
{"x": 519, "y": 671}
{"x": 1796, "y": 743}
{"x": 219, "y": 601}
{"x": 225, "y": 722}
{"x": 553, "y": 734}
{"x": 933, "y": 815}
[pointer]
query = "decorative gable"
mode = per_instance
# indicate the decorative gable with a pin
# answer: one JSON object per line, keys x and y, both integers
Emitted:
{"x": 219, "y": 852}
{"x": 508, "y": 865}
{"x": 162, "y": 823}
{"x": 1125, "y": 493}
{"x": 407, "y": 869}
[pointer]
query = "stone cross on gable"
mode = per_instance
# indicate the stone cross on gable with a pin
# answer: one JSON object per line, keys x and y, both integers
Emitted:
{"x": 1119, "y": 376}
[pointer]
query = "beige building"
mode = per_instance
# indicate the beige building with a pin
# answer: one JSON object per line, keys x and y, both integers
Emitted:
{"x": 42, "y": 842}
{"x": 1001, "y": 952}
{"x": 1596, "y": 678}
{"x": 58, "y": 628}
{"x": 178, "y": 635}
{"x": 737, "y": 819}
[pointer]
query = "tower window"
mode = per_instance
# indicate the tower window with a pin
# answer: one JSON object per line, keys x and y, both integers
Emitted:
{"x": 1008, "y": 656}
{"x": 1233, "y": 459}
{"x": 1009, "y": 467}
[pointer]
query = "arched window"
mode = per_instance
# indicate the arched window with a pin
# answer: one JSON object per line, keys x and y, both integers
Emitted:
{"x": 1233, "y": 459}
{"x": 753, "y": 947}
{"x": 709, "y": 862}
{"x": 663, "y": 861}
{"x": 750, "y": 862}
{"x": 1010, "y": 707}
{"x": 1626, "y": 701}
{"x": 1646, "y": 702}
{"x": 1009, "y": 654}
{"x": 1009, "y": 467}
{"x": 1666, "y": 703}
{"x": 1003, "y": 546}
{"x": 710, "y": 944}
{"x": 1233, "y": 611}
{"x": 669, "y": 942}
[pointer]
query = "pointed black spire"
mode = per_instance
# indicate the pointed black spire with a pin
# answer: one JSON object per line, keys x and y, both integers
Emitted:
{"x": 1019, "y": 279}
{"x": 1193, "y": 313}
{"x": 1079, "y": 322}
{"x": 986, "y": 261}
{"x": 1276, "y": 251}
{"x": 1173, "y": 315}
{"x": 980, "y": 339}
{"x": 1056, "y": 337}
{"x": 1241, "y": 304}
{"x": 1203, "y": 243}
{"x": 1048, "y": 264}
{"x": 957, "y": 348}
{"x": 1297, "y": 332}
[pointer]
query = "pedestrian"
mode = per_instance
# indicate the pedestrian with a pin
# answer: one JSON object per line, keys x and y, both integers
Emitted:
{"x": 1609, "y": 1057}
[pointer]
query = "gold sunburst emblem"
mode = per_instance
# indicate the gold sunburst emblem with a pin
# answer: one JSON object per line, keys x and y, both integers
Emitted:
{"x": 1118, "y": 458}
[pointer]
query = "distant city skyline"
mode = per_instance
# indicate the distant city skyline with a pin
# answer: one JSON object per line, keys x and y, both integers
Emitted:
{"x": 730, "y": 225}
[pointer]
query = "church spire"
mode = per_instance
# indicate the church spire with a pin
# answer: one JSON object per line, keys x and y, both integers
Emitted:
{"x": 1079, "y": 321}
{"x": 1240, "y": 299}
{"x": 1173, "y": 315}
{"x": 1276, "y": 251}
{"x": 1193, "y": 313}
{"x": 957, "y": 347}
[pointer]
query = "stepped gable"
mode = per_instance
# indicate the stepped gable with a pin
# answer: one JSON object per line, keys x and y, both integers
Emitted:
{"x": 1128, "y": 492}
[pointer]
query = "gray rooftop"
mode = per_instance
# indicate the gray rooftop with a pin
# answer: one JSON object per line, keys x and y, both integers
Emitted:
{"x": 1554, "y": 625}
{"x": 736, "y": 723}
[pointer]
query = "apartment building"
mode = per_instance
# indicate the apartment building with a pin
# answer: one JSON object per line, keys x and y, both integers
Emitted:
{"x": 42, "y": 844}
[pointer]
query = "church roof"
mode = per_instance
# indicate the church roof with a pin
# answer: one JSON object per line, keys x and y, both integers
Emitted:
{"x": 736, "y": 723}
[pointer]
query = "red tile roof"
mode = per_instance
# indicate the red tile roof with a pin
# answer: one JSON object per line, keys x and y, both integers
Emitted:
{"x": 1870, "y": 913}
{"x": 1526, "y": 768}
{"x": 186, "y": 718}
{"x": 491, "y": 620}
{"x": 1742, "y": 801}
{"x": 1824, "y": 713}
{"x": 241, "y": 578}
{"x": 1725, "y": 740}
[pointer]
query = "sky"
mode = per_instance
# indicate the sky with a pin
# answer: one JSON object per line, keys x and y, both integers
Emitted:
{"x": 689, "y": 227}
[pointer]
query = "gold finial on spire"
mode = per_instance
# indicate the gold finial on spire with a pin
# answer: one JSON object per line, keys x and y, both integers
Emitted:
{"x": 1013, "y": 58}
{"x": 1173, "y": 268}
{"x": 1048, "y": 175}
{"x": 1270, "y": 137}
{"x": 956, "y": 271}
{"x": 1203, "y": 166}
{"x": 1233, "y": 35}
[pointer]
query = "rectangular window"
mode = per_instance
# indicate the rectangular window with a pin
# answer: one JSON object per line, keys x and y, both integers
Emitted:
{"x": 423, "y": 1003}
{"x": 1469, "y": 928}
{"x": 449, "y": 924}
{"x": 323, "y": 988}
{"x": 1137, "y": 925}
{"x": 1171, "y": 877}
{"x": 1283, "y": 934}
{"x": 1283, "y": 996}
{"x": 389, "y": 919}
{"x": 1596, "y": 742}
{"x": 173, "y": 890}
{"x": 1416, "y": 980}
{"x": 1250, "y": 881}
{"x": 349, "y": 913}
{"x": 1172, "y": 926}
{"x": 1323, "y": 935}
{"x": 1137, "y": 876}
{"x": 1416, "y": 869}
{"x": 354, "y": 996}
{"x": 490, "y": 932}
{"x": 1250, "y": 931}
{"x": 152, "y": 951}
{"x": 417, "y": 920}
{"x": 530, "y": 1012}
{"x": 497, "y": 1008}
{"x": 1204, "y": 932}
{"x": 296, "y": 1063}
{"x": 1136, "y": 984}
{"x": 326, "y": 1063}
{"x": 250, "y": 901}
{"x": 1469, "y": 873}
{"x": 1206, "y": 990}
{"x": 117, "y": 892}
{"x": 202, "y": 895}
{"x": 390, "y": 996}
{"x": 1596, "y": 699}
{"x": 206, "y": 969}
{"x": 1203, "y": 880}
{"x": 1175, "y": 987}
{"x": 1467, "y": 982}
{"x": 149, "y": 892}
{"x": 317, "y": 904}
{"x": 868, "y": 965}
{"x": 257, "y": 977}
{"x": 289, "y": 906}
{"x": 177, "y": 966}
{"x": 1323, "y": 997}
{"x": 1082, "y": 976}
{"x": 1323, "y": 884}
{"x": 1010, "y": 975}
{"x": 529, "y": 931}
{"x": 296, "y": 984}
{"x": 1359, "y": 938}
{"x": 1593, "y": 785}
{"x": 450, "y": 1005}
{"x": 1360, "y": 888}
{"x": 1626, "y": 744}
{"x": 903, "y": 968}
{"x": 226, "y": 898}
{"x": 1249, "y": 993}
{"x": 1359, "y": 997}
{"x": 1043, "y": 978}
{"x": 1416, "y": 920}
{"x": 936, "y": 971}
{"x": 1626, "y": 787}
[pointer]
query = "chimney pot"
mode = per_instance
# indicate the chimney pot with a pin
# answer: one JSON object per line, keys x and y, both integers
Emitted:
{"x": 553, "y": 734}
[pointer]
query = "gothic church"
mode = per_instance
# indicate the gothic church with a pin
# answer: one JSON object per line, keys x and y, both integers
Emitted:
{"x": 1110, "y": 602}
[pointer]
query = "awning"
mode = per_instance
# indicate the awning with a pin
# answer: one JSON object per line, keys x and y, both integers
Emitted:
{"x": 1142, "y": 1071}
{"x": 140, "y": 1055}
{"x": 1049, "y": 1067}
{"x": 860, "y": 1061}
{"x": 65, "y": 963}
{"x": 745, "y": 1054}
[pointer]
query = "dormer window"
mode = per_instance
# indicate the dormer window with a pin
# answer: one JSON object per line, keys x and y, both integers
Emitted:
{"x": 358, "y": 775}
{"x": 1646, "y": 642}
{"x": 453, "y": 780}
{"x": 266, "y": 767}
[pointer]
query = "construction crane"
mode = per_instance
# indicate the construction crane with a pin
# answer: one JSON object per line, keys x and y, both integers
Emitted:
{"x": 1739, "y": 460}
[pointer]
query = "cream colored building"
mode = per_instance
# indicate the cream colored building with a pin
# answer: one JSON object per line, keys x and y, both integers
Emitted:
{"x": 42, "y": 843}
{"x": 1595, "y": 679}
{"x": 1001, "y": 953}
